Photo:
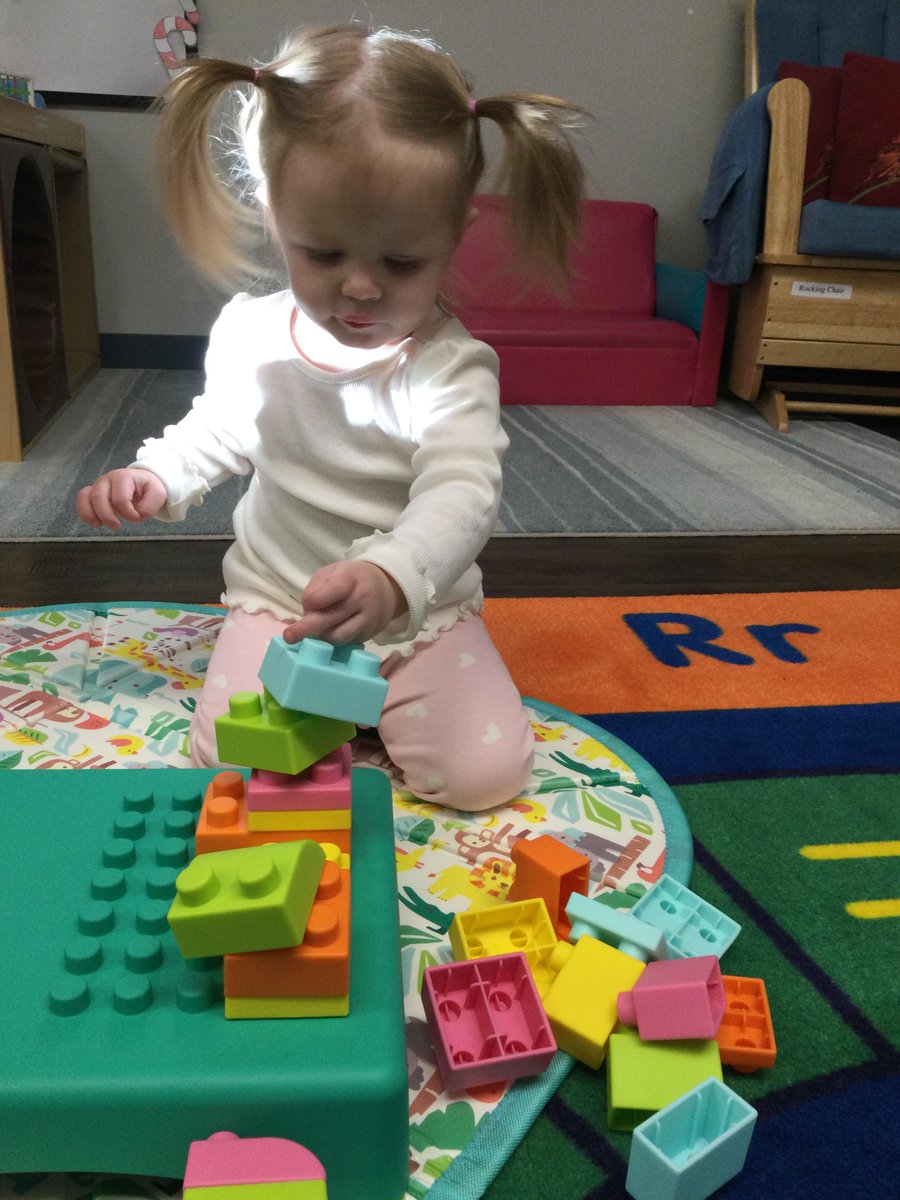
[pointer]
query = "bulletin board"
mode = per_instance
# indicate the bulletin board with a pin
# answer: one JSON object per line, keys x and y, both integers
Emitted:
{"x": 90, "y": 53}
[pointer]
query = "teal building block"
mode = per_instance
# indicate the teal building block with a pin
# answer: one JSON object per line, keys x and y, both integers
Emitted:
{"x": 252, "y": 898}
{"x": 692, "y": 1147}
{"x": 643, "y": 1077}
{"x": 691, "y": 925}
{"x": 259, "y": 732}
{"x": 332, "y": 681}
{"x": 115, "y": 1051}
{"x": 622, "y": 930}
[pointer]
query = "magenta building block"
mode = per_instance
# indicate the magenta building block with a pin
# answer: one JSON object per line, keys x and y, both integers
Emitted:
{"x": 486, "y": 1020}
{"x": 323, "y": 786}
{"x": 676, "y": 998}
{"x": 225, "y": 1159}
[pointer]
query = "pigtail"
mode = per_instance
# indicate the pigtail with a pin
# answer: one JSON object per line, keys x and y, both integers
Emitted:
{"x": 213, "y": 226}
{"x": 542, "y": 175}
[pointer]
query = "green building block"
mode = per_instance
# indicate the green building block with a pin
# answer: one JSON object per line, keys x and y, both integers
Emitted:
{"x": 295, "y": 1189}
{"x": 643, "y": 1077}
{"x": 258, "y": 732}
{"x": 253, "y": 898}
{"x": 115, "y": 1051}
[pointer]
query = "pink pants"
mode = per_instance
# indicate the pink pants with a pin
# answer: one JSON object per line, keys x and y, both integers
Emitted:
{"x": 453, "y": 722}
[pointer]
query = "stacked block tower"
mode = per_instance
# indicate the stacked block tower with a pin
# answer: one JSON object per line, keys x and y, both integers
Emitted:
{"x": 269, "y": 888}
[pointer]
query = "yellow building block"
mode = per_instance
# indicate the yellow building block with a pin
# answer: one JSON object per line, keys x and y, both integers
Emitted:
{"x": 266, "y": 1007}
{"x": 580, "y": 1003}
{"x": 522, "y": 925}
{"x": 320, "y": 818}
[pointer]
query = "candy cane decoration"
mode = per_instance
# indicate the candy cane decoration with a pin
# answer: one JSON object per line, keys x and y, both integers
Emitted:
{"x": 162, "y": 38}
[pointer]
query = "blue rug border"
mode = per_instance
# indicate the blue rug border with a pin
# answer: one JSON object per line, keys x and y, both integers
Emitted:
{"x": 718, "y": 745}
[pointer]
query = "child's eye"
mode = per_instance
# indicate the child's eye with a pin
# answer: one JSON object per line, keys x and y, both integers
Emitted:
{"x": 403, "y": 266}
{"x": 323, "y": 257}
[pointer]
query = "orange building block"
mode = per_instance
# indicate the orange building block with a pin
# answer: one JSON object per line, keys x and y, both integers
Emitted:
{"x": 222, "y": 824}
{"x": 549, "y": 869}
{"x": 746, "y": 1036}
{"x": 319, "y": 966}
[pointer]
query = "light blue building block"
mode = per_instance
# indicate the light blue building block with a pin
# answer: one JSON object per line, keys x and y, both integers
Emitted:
{"x": 692, "y": 1147}
{"x": 622, "y": 930}
{"x": 691, "y": 926}
{"x": 311, "y": 676}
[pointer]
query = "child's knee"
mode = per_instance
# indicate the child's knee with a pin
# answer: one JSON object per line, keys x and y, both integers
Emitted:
{"x": 477, "y": 782}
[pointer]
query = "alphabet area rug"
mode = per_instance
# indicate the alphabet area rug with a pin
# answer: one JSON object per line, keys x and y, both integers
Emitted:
{"x": 776, "y": 720}
{"x": 739, "y": 684}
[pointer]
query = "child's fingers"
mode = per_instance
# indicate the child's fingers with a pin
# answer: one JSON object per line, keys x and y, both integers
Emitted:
{"x": 315, "y": 625}
{"x": 85, "y": 508}
{"x": 328, "y": 588}
{"x": 122, "y": 494}
{"x": 95, "y": 506}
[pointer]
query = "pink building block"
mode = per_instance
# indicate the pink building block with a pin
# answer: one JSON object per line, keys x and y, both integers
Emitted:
{"x": 676, "y": 998}
{"x": 486, "y": 1020}
{"x": 226, "y": 1159}
{"x": 324, "y": 785}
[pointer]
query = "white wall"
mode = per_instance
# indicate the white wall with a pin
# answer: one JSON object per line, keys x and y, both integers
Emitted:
{"x": 660, "y": 76}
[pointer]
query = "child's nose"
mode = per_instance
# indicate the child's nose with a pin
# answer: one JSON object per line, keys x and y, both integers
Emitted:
{"x": 360, "y": 284}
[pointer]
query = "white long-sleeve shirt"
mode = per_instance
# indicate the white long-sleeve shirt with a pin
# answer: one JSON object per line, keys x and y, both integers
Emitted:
{"x": 396, "y": 461}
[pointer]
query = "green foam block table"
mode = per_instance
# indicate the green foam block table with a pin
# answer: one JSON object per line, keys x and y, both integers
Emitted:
{"x": 115, "y": 1051}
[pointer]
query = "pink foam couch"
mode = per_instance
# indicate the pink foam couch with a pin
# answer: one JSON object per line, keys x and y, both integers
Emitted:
{"x": 632, "y": 331}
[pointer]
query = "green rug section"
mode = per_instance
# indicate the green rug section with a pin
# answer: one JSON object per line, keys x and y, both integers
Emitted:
{"x": 756, "y": 830}
{"x": 831, "y": 977}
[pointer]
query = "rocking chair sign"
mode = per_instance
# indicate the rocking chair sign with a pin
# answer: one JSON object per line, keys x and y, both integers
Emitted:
{"x": 92, "y": 54}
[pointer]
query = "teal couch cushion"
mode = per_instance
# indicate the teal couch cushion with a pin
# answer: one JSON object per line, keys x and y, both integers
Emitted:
{"x": 851, "y": 230}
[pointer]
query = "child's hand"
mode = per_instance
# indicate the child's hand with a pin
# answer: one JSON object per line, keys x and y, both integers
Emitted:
{"x": 130, "y": 494}
{"x": 347, "y": 602}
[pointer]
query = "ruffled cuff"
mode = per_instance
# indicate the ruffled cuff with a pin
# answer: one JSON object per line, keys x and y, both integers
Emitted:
{"x": 185, "y": 486}
{"x": 384, "y": 551}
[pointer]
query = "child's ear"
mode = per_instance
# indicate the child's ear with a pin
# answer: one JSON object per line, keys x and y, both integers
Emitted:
{"x": 471, "y": 215}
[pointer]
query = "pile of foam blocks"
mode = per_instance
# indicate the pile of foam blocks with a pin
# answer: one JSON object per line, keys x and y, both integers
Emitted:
{"x": 641, "y": 990}
{"x": 269, "y": 886}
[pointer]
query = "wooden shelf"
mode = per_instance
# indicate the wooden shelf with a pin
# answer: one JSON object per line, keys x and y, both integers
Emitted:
{"x": 62, "y": 142}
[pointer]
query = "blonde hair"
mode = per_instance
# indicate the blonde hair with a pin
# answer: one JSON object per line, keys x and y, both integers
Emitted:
{"x": 326, "y": 83}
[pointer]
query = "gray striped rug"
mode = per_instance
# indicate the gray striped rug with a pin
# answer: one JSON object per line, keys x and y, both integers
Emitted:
{"x": 569, "y": 470}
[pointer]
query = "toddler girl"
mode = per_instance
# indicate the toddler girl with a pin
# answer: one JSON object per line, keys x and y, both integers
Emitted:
{"x": 367, "y": 415}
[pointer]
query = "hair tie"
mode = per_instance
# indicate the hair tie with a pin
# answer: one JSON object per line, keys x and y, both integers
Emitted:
{"x": 473, "y": 106}
{"x": 256, "y": 75}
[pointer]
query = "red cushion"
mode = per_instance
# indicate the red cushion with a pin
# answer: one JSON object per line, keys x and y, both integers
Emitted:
{"x": 866, "y": 167}
{"x": 529, "y": 328}
{"x": 824, "y": 85}
{"x": 613, "y": 269}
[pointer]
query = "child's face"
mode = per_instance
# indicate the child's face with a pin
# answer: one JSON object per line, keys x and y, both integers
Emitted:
{"x": 367, "y": 237}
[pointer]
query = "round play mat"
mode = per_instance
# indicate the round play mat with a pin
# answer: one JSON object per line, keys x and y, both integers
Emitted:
{"x": 104, "y": 686}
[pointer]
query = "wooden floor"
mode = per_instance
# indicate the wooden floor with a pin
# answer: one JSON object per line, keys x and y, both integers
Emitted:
{"x": 187, "y": 571}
